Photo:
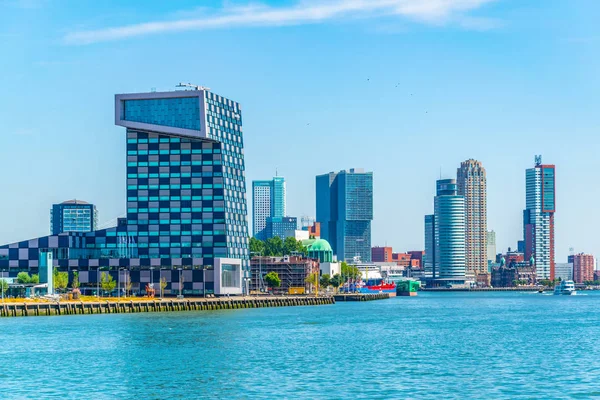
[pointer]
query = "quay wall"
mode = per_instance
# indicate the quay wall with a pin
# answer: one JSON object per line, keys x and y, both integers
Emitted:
{"x": 168, "y": 305}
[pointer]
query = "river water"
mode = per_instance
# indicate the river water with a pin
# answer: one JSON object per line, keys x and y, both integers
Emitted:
{"x": 436, "y": 345}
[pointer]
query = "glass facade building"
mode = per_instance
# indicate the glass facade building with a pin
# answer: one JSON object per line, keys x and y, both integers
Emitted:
{"x": 449, "y": 232}
{"x": 345, "y": 208}
{"x": 268, "y": 200}
{"x": 281, "y": 227}
{"x": 186, "y": 200}
{"x": 538, "y": 218}
{"x": 73, "y": 216}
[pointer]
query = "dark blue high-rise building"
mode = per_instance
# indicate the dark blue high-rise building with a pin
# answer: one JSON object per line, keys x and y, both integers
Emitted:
{"x": 73, "y": 216}
{"x": 186, "y": 201}
{"x": 345, "y": 210}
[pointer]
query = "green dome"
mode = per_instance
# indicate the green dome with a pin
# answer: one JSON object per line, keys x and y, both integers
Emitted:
{"x": 320, "y": 245}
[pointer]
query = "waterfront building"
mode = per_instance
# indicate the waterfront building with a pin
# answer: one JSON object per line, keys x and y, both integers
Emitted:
{"x": 416, "y": 258}
{"x": 344, "y": 203}
{"x": 268, "y": 200}
{"x": 186, "y": 202}
{"x": 491, "y": 247}
{"x": 564, "y": 271}
{"x": 315, "y": 230}
{"x": 514, "y": 275}
{"x": 510, "y": 257}
{"x": 281, "y": 227}
{"x": 429, "y": 256}
{"x": 583, "y": 267}
{"x": 402, "y": 259}
{"x": 73, "y": 216}
{"x": 471, "y": 184}
{"x": 538, "y": 217}
{"x": 292, "y": 270}
{"x": 449, "y": 233}
{"x": 381, "y": 254}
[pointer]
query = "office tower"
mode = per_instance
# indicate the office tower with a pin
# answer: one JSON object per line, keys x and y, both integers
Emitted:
{"x": 268, "y": 200}
{"x": 538, "y": 217}
{"x": 471, "y": 184}
{"x": 491, "y": 246}
{"x": 449, "y": 232}
{"x": 429, "y": 256}
{"x": 583, "y": 267}
{"x": 186, "y": 201}
{"x": 73, "y": 216}
{"x": 563, "y": 271}
{"x": 345, "y": 210}
{"x": 281, "y": 227}
{"x": 381, "y": 254}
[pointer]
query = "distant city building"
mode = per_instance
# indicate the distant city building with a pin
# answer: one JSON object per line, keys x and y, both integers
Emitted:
{"x": 416, "y": 258}
{"x": 538, "y": 217}
{"x": 401, "y": 259}
{"x": 268, "y": 200}
{"x": 583, "y": 267}
{"x": 345, "y": 210}
{"x": 429, "y": 256}
{"x": 510, "y": 257}
{"x": 73, "y": 216}
{"x": 491, "y": 246}
{"x": 564, "y": 271}
{"x": 521, "y": 246}
{"x": 472, "y": 185}
{"x": 517, "y": 274}
{"x": 292, "y": 270}
{"x": 314, "y": 230}
{"x": 381, "y": 254}
{"x": 281, "y": 227}
{"x": 449, "y": 232}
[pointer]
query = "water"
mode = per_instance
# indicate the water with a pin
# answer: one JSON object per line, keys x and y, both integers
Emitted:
{"x": 450, "y": 345}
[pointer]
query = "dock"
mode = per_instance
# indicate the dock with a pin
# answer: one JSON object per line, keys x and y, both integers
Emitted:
{"x": 361, "y": 297}
{"x": 513, "y": 289}
{"x": 113, "y": 306}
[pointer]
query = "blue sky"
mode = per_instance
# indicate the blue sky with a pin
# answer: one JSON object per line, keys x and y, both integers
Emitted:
{"x": 404, "y": 88}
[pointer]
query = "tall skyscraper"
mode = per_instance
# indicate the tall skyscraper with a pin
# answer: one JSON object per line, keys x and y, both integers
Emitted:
{"x": 268, "y": 200}
{"x": 449, "y": 232}
{"x": 491, "y": 247}
{"x": 538, "y": 217}
{"x": 73, "y": 216}
{"x": 186, "y": 201}
{"x": 472, "y": 185}
{"x": 345, "y": 210}
{"x": 583, "y": 267}
{"x": 429, "y": 257}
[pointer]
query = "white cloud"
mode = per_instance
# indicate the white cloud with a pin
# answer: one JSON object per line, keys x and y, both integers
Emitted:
{"x": 305, "y": 12}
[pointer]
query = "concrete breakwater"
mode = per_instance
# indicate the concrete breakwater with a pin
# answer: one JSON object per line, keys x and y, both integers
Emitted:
{"x": 166, "y": 305}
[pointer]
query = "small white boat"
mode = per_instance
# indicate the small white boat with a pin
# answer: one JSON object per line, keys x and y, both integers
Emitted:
{"x": 565, "y": 288}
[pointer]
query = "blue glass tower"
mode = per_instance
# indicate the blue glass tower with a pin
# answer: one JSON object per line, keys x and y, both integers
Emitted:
{"x": 449, "y": 233}
{"x": 268, "y": 201}
{"x": 345, "y": 211}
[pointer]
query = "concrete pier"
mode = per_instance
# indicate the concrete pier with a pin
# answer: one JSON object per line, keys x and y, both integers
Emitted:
{"x": 361, "y": 296}
{"x": 111, "y": 306}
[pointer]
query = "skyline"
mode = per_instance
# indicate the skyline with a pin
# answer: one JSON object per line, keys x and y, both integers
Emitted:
{"x": 530, "y": 92}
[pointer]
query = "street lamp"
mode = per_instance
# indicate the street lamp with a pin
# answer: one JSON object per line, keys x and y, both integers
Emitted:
{"x": 204, "y": 280}
{"x": 98, "y": 282}
{"x": 180, "y": 284}
{"x": 151, "y": 278}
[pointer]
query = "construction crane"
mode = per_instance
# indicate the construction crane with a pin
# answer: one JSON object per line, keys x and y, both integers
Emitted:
{"x": 192, "y": 86}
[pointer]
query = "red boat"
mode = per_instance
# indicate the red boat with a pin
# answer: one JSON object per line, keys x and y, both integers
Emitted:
{"x": 382, "y": 287}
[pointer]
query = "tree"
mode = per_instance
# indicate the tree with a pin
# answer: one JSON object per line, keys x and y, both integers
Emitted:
{"x": 313, "y": 279}
{"x": 75, "y": 282}
{"x": 273, "y": 247}
{"x": 60, "y": 279}
{"x": 256, "y": 246}
{"x": 272, "y": 279}
{"x": 325, "y": 281}
{"x": 35, "y": 279}
{"x": 291, "y": 245}
{"x": 163, "y": 285}
{"x": 23, "y": 277}
{"x": 3, "y": 286}
{"x": 107, "y": 282}
{"x": 335, "y": 281}
{"x": 350, "y": 271}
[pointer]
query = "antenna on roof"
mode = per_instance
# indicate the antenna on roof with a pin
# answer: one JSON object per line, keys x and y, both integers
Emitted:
{"x": 192, "y": 86}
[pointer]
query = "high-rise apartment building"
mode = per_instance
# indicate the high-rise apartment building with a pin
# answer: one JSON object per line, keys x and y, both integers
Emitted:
{"x": 345, "y": 210}
{"x": 73, "y": 216}
{"x": 268, "y": 200}
{"x": 583, "y": 267}
{"x": 186, "y": 201}
{"x": 449, "y": 232}
{"x": 491, "y": 247}
{"x": 538, "y": 217}
{"x": 472, "y": 185}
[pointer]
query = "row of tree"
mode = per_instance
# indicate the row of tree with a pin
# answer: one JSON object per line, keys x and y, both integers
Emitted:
{"x": 275, "y": 247}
